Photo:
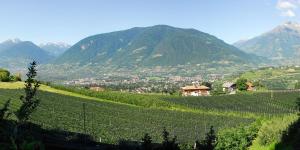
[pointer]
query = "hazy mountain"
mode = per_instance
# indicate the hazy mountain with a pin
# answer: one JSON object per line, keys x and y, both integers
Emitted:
{"x": 159, "y": 45}
{"x": 280, "y": 43}
{"x": 16, "y": 50}
{"x": 55, "y": 48}
{"x": 8, "y": 43}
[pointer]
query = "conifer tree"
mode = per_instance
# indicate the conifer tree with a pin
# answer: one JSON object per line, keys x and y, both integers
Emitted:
{"x": 29, "y": 101}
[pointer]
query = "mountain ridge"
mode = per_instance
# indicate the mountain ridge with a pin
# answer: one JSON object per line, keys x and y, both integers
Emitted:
{"x": 160, "y": 45}
{"x": 23, "y": 50}
{"x": 280, "y": 43}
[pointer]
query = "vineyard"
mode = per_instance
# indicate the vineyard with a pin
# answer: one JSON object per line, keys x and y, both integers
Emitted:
{"x": 112, "y": 122}
{"x": 270, "y": 103}
{"x": 267, "y": 103}
{"x": 111, "y": 116}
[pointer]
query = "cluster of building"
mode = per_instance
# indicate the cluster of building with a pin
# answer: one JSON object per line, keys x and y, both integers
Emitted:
{"x": 201, "y": 90}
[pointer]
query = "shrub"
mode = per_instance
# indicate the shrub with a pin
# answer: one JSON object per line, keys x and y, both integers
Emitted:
{"x": 4, "y": 75}
{"x": 186, "y": 146}
{"x": 237, "y": 138}
{"x": 271, "y": 131}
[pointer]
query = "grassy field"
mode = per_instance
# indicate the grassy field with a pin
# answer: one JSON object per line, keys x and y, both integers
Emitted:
{"x": 112, "y": 116}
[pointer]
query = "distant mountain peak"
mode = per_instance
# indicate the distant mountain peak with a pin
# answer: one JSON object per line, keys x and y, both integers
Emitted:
{"x": 59, "y": 44}
{"x": 55, "y": 48}
{"x": 282, "y": 42}
{"x": 287, "y": 27}
{"x": 23, "y": 50}
{"x": 14, "y": 40}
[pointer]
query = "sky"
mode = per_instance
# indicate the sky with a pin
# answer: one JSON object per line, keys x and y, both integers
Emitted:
{"x": 69, "y": 21}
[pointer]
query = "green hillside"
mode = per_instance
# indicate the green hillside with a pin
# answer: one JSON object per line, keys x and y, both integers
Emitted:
{"x": 159, "y": 45}
{"x": 275, "y": 78}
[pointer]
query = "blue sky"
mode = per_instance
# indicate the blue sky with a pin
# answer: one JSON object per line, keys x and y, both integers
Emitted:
{"x": 71, "y": 20}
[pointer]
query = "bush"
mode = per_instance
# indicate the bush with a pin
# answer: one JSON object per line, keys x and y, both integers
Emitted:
{"x": 185, "y": 146}
{"x": 237, "y": 138}
{"x": 4, "y": 75}
{"x": 272, "y": 130}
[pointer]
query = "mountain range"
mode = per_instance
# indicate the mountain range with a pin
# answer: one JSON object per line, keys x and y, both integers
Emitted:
{"x": 16, "y": 54}
{"x": 159, "y": 45}
{"x": 23, "y": 50}
{"x": 281, "y": 43}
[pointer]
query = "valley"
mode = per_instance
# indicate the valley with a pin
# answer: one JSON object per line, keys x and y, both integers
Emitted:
{"x": 156, "y": 82}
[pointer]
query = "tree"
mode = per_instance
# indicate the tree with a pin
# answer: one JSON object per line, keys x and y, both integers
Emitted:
{"x": 171, "y": 91}
{"x": 29, "y": 101}
{"x": 16, "y": 77}
{"x": 4, "y": 111}
{"x": 4, "y": 75}
{"x": 217, "y": 89}
{"x": 17, "y": 131}
{"x": 242, "y": 84}
{"x": 146, "y": 142}
{"x": 168, "y": 144}
{"x": 207, "y": 84}
{"x": 210, "y": 139}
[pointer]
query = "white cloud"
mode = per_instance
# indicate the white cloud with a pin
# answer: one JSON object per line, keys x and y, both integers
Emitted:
{"x": 285, "y": 4}
{"x": 288, "y": 13}
{"x": 288, "y": 7}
